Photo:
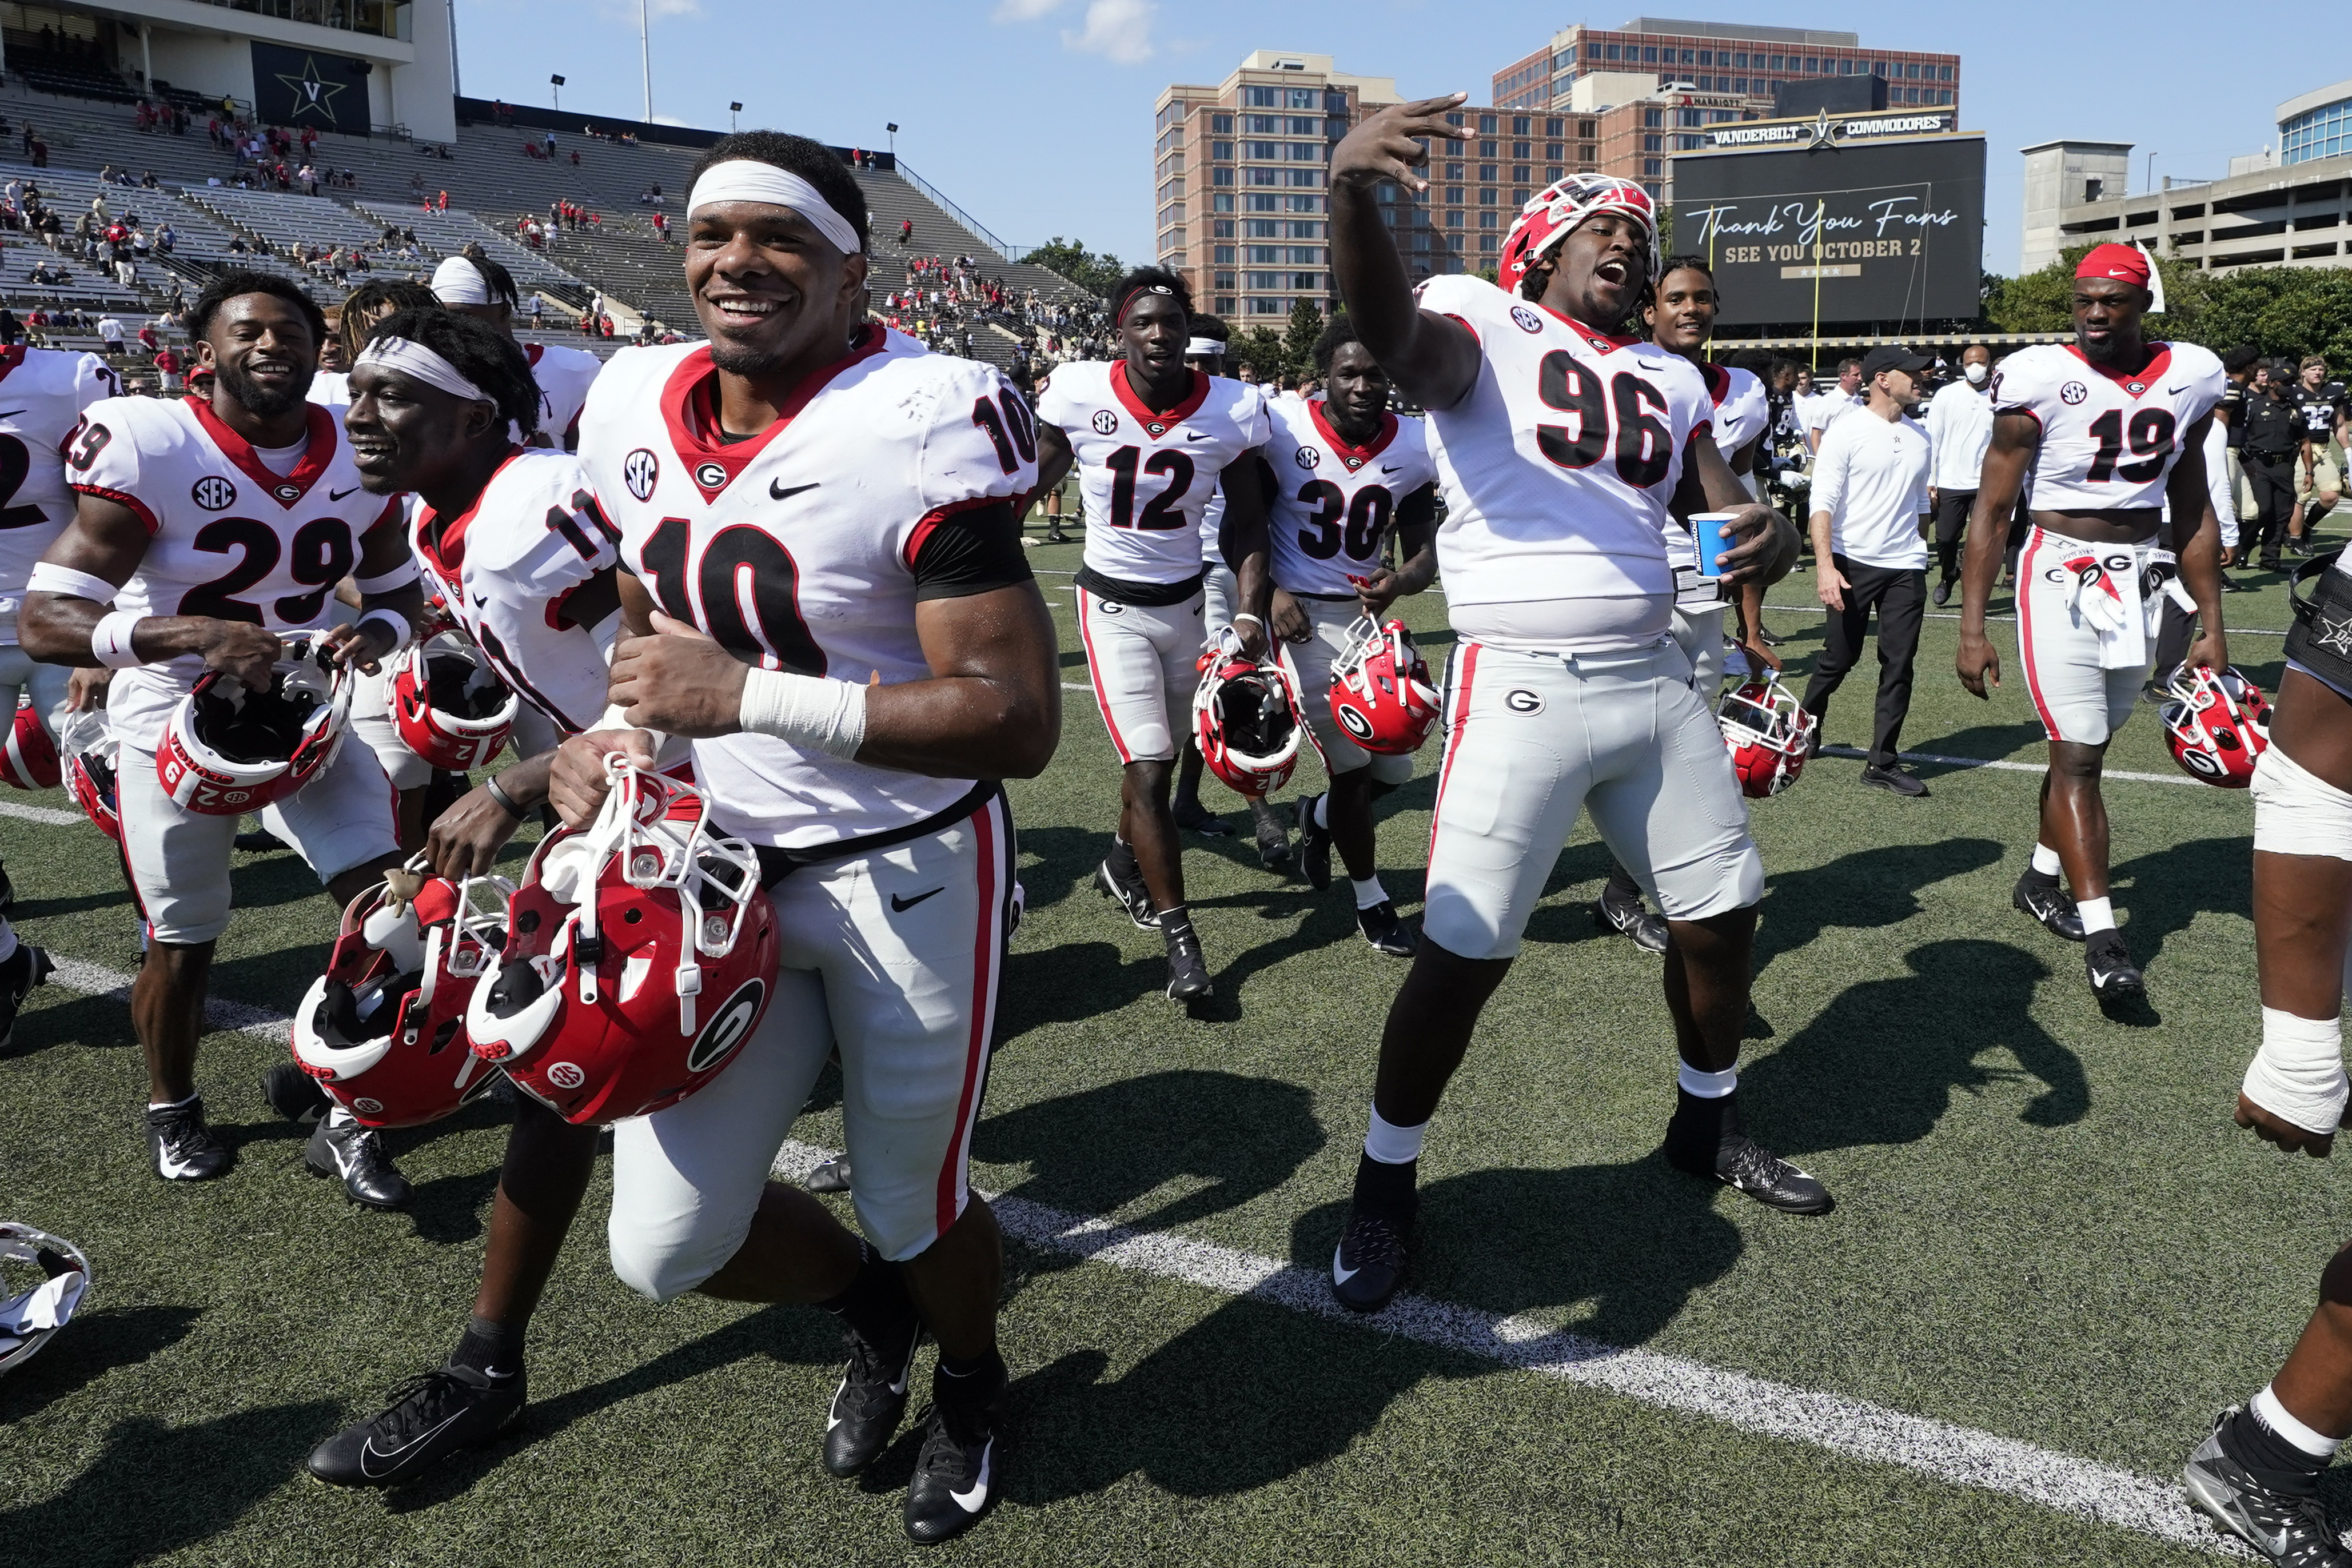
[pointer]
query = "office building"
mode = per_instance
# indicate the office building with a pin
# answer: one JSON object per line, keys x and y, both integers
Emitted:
{"x": 1720, "y": 59}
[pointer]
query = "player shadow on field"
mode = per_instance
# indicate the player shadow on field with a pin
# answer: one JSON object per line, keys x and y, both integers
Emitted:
{"x": 1993, "y": 742}
{"x": 102, "y": 1341}
{"x": 155, "y": 1489}
{"x": 1607, "y": 1253}
{"x": 1879, "y": 1065}
{"x": 2163, "y": 891}
{"x": 1867, "y": 890}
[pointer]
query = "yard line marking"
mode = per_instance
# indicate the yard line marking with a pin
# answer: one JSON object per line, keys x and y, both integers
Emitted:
{"x": 1939, "y": 1450}
{"x": 2012, "y": 766}
{"x": 1942, "y": 1450}
{"x": 2004, "y": 620}
{"x": 47, "y": 815}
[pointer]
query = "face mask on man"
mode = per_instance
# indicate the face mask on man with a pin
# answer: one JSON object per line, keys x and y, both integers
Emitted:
{"x": 1976, "y": 375}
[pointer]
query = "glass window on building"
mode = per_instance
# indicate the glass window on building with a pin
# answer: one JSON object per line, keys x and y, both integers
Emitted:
{"x": 1779, "y": 63}
{"x": 1488, "y": 196}
{"x": 1222, "y": 228}
{"x": 1522, "y": 173}
{"x": 1334, "y": 102}
{"x": 1262, "y": 124}
{"x": 1303, "y": 176}
{"x": 1555, "y": 151}
{"x": 1221, "y": 150}
{"x": 1309, "y": 230}
{"x": 1489, "y": 220}
{"x": 1222, "y": 280}
{"x": 1260, "y": 96}
{"x": 1306, "y": 280}
{"x": 1220, "y": 124}
{"x": 1555, "y": 175}
{"x": 1653, "y": 166}
{"x": 1304, "y": 96}
{"x": 1486, "y": 125}
{"x": 1262, "y": 307}
{"x": 1943, "y": 73}
{"x": 1262, "y": 279}
{"x": 1261, "y": 176}
{"x": 1221, "y": 176}
{"x": 1608, "y": 51}
{"x": 1226, "y": 301}
{"x": 1454, "y": 220}
{"x": 1453, "y": 194}
{"x": 1223, "y": 255}
{"x": 1489, "y": 244}
{"x": 1260, "y": 149}
{"x": 1265, "y": 228}
{"x": 1305, "y": 203}
{"x": 1653, "y": 143}
{"x": 1223, "y": 203}
{"x": 1263, "y": 204}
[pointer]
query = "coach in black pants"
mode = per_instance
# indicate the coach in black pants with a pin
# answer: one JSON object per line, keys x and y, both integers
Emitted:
{"x": 2274, "y": 438}
{"x": 1870, "y": 487}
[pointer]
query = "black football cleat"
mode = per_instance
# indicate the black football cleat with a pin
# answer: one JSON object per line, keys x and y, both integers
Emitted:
{"x": 2282, "y": 1527}
{"x": 26, "y": 968}
{"x": 1369, "y": 1264}
{"x": 1712, "y": 1148}
{"x": 2107, "y": 962}
{"x": 1385, "y": 930}
{"x": 1313, "y": 845}
{"x": 294, "y": 1093}
{"x": 870, "y": 1402}
{"x": 1194, "y": 818}
{"x": 260, "y": 842}
{"x": 956, "y": 1479}
{"x": 431, "y": 1415}
{"x": 1272, "y": 838}
{"x": 1188, "y": 970}
{"x": 355, "y": 1153}
{"x": 1130, "y": 896}
{"x": 184, "y": 1146}
{"x": 1628, "y": 915}
{"x": 829, "y": 1178}
{"x": 2042, "y": 897}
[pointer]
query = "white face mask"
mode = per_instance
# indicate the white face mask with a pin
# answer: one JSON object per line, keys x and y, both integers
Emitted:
{"x": 1976, "y": 375}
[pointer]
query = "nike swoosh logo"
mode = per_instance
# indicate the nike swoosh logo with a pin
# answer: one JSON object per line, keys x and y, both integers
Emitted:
{"x": 975, "y": 1499}
{"x": 481, "y": 601}
{"x": 779, "y": 491}
{"x": 903, "y": 904}
{"x": 1387, "y": 470}
{"x": 10, "y": 413}
{"x": 1194, "y": 436}
{"x": 174, "y": 1168}
{"x": 339, "y": 495}
{"x": 1341, "y": 1273}
{"x": 369, "y": 1451}
{"x": 2175, "y": 392}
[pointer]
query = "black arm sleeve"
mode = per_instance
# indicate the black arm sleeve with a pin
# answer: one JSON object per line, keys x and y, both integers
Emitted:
{"x": 975, "y": 550}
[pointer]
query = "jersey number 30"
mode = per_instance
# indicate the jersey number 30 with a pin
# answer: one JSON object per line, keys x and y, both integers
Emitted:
{"x": 1644, "y": 445}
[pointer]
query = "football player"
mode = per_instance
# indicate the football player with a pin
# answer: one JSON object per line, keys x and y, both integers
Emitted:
{"x": 1205, "y": 352}
{"x": 473, "y": 285}
{"x": 1561, "y": 446}
{"x": 521, "y": 553}
{"x": 48, "y": 390}
{"x": 1681, "y": 314}
{"x": 1152, "y": 440}
{"x": 213, "y": 525}
{"x": 2110, "y": 428}
{"x": 2258, "y": 1473}
{"x": 1344, "y": 472}
{"x": 363, "y": 307}
{"x": 828, "y": 595}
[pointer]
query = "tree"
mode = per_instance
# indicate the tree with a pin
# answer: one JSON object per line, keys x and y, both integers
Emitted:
{"x": 1260, "y": 349}
{"x": 1071, "y": 258}
{"x": 1298, "y": 342}
{"x": 2275, "y": 310}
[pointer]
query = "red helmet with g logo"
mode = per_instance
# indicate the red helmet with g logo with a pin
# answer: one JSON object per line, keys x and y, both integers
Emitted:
{"x": 639, "y": 953}
{"x": 2217, "y": 726}
{"x": 1555, "y": 211}
{"x": 449, "y": 704}
{"x": 226, "y": 750}
{"x": 1381, "y": 697}
{"x": 1770, "y": 733}
{"x": 1246, "y": 717}
{"x": 29, "y": 760}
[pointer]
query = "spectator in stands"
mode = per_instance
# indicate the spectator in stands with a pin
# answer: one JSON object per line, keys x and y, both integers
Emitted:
{"x": 40, "y": 153}
{"x": 110, "y": 332}
{"x": 167, "y": 368}
{"x": 906, "y": 231}
{"x": 236, "y": 243}
{"x": 166, "y": 240}
{"x": 535, "y": 310}
{"x": 310, "y": 178}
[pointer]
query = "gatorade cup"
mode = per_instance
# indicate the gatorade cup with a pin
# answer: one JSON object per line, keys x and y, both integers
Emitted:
{"x": 1706, "y": 530}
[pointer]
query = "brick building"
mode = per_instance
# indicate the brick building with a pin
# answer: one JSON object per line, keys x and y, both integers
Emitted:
{"x": 1719, "y": 58}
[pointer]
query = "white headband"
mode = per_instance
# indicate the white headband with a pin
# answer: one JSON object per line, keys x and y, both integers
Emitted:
{"x": 1203, "y": 349}
{"x": 457, "y": 281}
{"x": 415, "y": 360}
{"x": 749, "y": 180}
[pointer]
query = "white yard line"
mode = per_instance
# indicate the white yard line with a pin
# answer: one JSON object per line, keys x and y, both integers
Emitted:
{"x": 47, "y": 816}
{"x": 2016, "y": 767}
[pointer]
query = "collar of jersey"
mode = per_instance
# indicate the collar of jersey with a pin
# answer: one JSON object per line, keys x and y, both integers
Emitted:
{"x": 442, "y": 545}
{"x": 731, "y": 458}
{"x": 2146, "y": 376}
{"x": 1355, "y": 457}
{"x": 1601, "y": 342}
{"x": 286, "y": 490}
{"x": 1157, "y": 425}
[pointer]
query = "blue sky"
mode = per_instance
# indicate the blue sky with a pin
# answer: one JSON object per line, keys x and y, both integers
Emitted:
{"x": 1035, "y": 115}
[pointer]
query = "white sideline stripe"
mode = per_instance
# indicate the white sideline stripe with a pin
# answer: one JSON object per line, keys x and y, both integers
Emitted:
{"x": 2015, "y": 766}
{"x": 47, "y": 815}
{"x": 1959, "y": 1455}
{"x": 264, "y": 1023}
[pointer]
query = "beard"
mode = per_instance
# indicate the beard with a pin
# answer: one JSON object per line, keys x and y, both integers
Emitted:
{"x": 266, "y": 401}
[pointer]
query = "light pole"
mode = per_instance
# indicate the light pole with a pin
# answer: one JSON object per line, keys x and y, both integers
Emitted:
{"x": 893, "y": 130}
{"x": 732, "y": 111}
{"x": 555, "y": 85}
{"x": 645, "y": 54}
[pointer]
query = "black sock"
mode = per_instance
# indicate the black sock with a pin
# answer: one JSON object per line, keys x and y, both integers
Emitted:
{"x": 2041, "y": 878}
{"x": 1701, "y": 1120}
{"x": 493, "y": 1349}
{"x": 2268, "y": 1458}
{"x": 875, "y": 1304}
{"x": 1381, "y": 1185}
{"x": 1175, "y": 923}
{"x": 1621, "y": 883}
{"x": 965, "y": 1378}
{"x": 1121, "y": 860}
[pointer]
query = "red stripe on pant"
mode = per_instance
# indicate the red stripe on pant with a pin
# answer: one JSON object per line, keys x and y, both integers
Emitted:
{"x": 2026, "y": 577}
{"x": 984, "y": 946}
{"x": 1094, "y": 673}
{"x": 1454, "y": 741}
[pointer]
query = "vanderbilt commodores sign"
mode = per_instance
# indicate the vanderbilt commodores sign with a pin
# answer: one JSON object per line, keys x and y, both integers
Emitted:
{"x": 295, "y": 88}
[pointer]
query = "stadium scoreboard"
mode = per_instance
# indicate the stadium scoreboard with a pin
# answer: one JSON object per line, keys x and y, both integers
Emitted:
{"x": 1859, "y": 218}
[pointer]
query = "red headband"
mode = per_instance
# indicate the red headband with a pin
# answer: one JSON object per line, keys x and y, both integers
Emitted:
{"x": 2127, "y": 263}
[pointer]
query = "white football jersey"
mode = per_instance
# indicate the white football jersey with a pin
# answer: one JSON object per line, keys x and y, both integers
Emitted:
{"x": 1333, "y": 503}
{"x": 2108, "y": 441}
{"x": 1557, "y": 465}
{"x": 1147, "y": 477}
{"x": 798, "y": 548}
{"x": 536, "y": 533}
{"x": 332, "y": 388}
{"x": 228, "y": 537}
{"x": 564, "y": 376}
{"x": 42, "y": 395}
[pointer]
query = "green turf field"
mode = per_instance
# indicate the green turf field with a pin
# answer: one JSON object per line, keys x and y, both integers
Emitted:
{"x": 2048, "y": 1233}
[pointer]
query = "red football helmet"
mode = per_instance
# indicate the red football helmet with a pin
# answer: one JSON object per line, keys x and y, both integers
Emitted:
{"x": 596, "y": 1004}
{"x": 29, "y": 760}
{"x": 1555, "y": 210}
{"x": 383, "y": 1031}
{"x": 2217, "y": 726}
{"x": 90, "y": 749}
{"x": 1380, "y": 690}
{"x": 226, "y": 750}
{"x": 1770, "y": 733}
{"x": 449, "y": 706}
{"x": 1246, "y": 719}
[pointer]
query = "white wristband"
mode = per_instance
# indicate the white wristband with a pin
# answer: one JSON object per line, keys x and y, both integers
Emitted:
{"x": 403, "y": 633}
{"x": 109, "y": 640}
{"x": 399, "y": 577}
{"x": 823, "y": 715}
{"x": 1253, "y": 619}
{"x": 2298, "y": 1074}
{"x": 65, "y": 579}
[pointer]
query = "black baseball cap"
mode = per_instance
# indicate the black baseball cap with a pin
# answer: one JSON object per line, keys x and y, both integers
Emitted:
{"x": 1892, "y": 357}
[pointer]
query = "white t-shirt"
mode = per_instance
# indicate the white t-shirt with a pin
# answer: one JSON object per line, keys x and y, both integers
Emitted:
{"x": 1827, "y": 408}
{"x": 1871, "y": 477}
{"x": 1959, "y": 428}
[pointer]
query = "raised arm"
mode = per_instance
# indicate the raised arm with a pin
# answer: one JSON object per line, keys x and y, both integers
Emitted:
{"x": 1431, "y": 359}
